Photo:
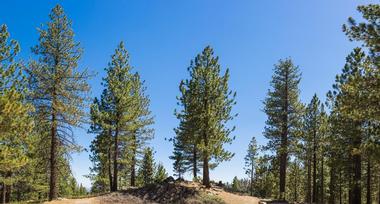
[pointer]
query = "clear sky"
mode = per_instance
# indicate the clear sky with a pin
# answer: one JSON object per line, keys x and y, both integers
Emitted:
{"x": 163, "y": 36}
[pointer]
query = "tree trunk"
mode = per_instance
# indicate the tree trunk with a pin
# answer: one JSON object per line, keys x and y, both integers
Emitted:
{"x": 109, "y": 158}
{"x": 251, "y": 187}
{"x": 195, "y": 167}
{"x": 284, "y": 142}
{"x": 314, "y": 167}
{"x": 133, "y": 162}
{"x": 3, "y": 193}
{"x": 206, "y": 174}
{"x": 322, "y": 182}
{"x": 378, "y": 196}
{"x": 340, "y": 186}
{"x": 295, "y": 182}
{"x": 8, "y": 193}
{"x": 356, "y": 191}
{"x": 53, "y": 155}
{"x": 369, "y": 180}
{"x": 308, "y": 196}
{"x": 332, "y": 188}
{"x": 115, "y": 156}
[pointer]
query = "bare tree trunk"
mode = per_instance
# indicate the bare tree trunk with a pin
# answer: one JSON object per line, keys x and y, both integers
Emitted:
{"x": 251, "y": 186}
{"x": 115, "y": 163}
{"x": 322, "y": 182}
{"x": 295, "y": 182}
{"x": 133, "y": 162}
{"x": 314, "y": 167}
{"x": 4, "y": 191}
{"x": 206, "y": 173}
{"x": 195, "y": 159}
{"x": 356, "y": 191}
{"x": 332, "y": 184}
{"x": 309, "y": 195}
{"x": 340, "y": 186}
{"x": 109, "y": 158}
{"x": 8, "y": 193}
{"x": 53, "y": 156}
{"x": 378, "y": 196}
{"x": 369, "y": 180}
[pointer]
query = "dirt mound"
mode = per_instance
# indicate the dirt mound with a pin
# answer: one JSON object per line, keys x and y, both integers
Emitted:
{"x": 169, "y": 191}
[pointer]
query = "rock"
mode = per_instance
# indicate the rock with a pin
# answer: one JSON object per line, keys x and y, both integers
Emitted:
{"x": 170, "y": 179}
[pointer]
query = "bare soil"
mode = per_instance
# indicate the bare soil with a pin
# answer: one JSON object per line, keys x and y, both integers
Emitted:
{"x": 170, "y": 192}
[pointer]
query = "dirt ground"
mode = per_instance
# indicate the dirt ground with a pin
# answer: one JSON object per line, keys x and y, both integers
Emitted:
{"x": 167, "y": 192}
{"x": 229, "y": 198}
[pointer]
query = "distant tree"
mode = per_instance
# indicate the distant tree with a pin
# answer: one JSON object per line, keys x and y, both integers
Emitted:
{"x": 179, "y": 164}
{"x": 160, "y": 174}
{"x": 235, "y": 184}
{"x": 250, "y": 162}
{"x": 147, "y": 167}
{"x": 283, "y": 110}
{"x": 58, "y": 88}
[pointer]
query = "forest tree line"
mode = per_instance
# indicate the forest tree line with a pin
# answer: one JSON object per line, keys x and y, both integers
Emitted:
{"x": 322, "y": 152}
{"x": 319, "y": 152}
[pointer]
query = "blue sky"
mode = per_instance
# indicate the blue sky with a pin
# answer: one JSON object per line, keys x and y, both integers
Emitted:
{"x": 163, "y": 36}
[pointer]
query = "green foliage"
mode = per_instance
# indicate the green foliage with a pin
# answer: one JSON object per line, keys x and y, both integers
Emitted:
{"x": 235, "y": 184}
{"x": 147, "y": 167}
{"x": 250, "y": 161}
{"x": 121, "y": 120}
{"x": 58, "y": 88}
{"x": 283, "y": 110}
{"x": 16, "y": 125}
{"x": 160, "y": 174}
{"x": 179, "y": 164}
{"x": 207, "y": 103}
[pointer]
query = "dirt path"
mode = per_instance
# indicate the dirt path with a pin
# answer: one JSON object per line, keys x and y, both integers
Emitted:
{"x": 231, "y": 198}
{"x": 75, "y": 201}
{"x": 106, "y": 199}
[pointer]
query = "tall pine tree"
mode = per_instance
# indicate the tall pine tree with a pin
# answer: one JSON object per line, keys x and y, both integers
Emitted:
{"x": 208, "y": 106}
{"x": 283, "y": 110}
{"x": 58, "y": 87}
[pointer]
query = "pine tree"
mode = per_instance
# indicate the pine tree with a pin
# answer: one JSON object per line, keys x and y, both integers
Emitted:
{"x": 352, "y": 134}
{"x": 250, "y": 162}
{"x": 101, "y": 146}
{"x": 283, "y": 109}
{"x": 235, "y": 184}
{"x": 186, "y": 137}
{"x": 179, "y": 164}
{"x": 160, "y": 174}
{"x": 58, "y": 87}
{"x": 15, "y": 122}
{"x": 147, "y": 167}
{"x": 364, "y": 87}
{"x": 311, "y": 142}
{"x": 121, "y": 120}
{"x": 208, "y": 106}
